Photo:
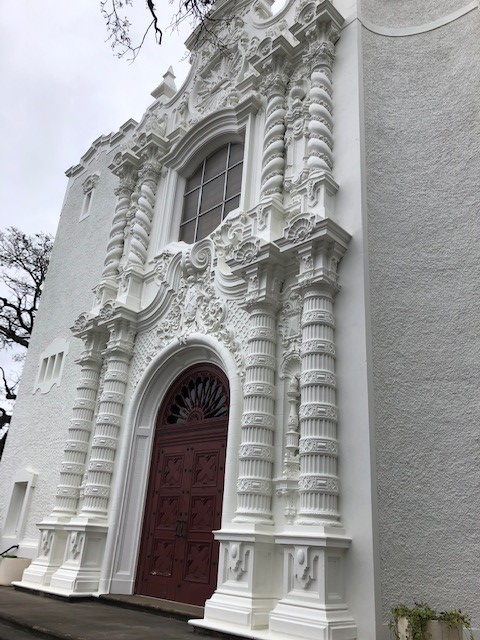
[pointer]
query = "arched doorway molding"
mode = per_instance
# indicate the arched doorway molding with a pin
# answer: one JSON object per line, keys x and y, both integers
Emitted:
{"x": 123, "y": 540}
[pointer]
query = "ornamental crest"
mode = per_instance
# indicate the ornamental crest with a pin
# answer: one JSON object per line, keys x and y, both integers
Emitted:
{"x": 196, "y": 308}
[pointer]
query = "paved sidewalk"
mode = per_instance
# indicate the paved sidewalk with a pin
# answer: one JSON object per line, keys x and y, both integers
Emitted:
{"x": 47, "y": 617}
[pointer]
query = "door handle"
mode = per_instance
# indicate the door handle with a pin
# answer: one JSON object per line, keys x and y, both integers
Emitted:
{"x": 180, "y": 529}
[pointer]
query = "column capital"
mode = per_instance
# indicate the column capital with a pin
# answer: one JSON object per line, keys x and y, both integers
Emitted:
{"x": 316, "y": 246}
{"x": 319, "y": 22}
{"x": 120, "y": 323}
{"x": 263, "y": 274}
{"x": 94, "y": 338}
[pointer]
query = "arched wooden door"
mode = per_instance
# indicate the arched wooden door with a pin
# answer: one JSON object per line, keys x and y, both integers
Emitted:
{"x": 178, "y": 556}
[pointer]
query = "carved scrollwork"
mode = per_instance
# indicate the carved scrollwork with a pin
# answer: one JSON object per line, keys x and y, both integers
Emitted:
{"x": 299, "y": 228}
{"x": 76, "y": 542}
{"x": 46, "y": 542}
{"x": 91, "y": 182}
{"x": 320, "y": 484}
{"x": 81, "y": 322}
{"x": 318, "y": 410}
{"x": 247, "y": 251}
{"x": 254, "y": 452}
{"x": 107, "y": 311}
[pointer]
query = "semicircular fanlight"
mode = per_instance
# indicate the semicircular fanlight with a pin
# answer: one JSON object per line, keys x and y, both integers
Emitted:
{"x": 202, "y": 396}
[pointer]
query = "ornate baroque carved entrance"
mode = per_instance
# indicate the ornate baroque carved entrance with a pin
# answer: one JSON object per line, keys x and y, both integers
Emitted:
{"x": 178, "y": 556}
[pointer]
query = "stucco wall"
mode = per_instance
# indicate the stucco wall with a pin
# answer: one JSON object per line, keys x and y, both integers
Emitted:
{"x": 422, "y": 104}
{"x": 40, "y": 421}
{"x": 408, "y": 13}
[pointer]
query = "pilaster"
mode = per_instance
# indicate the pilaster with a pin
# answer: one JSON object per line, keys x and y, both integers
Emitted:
{"x": 125, "y": 166}
{"x": 81, "y": 568}
{"x": 246, "y": 591}
{"x": 310, "y": 114}
{"x": 53, "y": 530}
{"x": 313, "y": 603}
{"x": 254, "y": 486}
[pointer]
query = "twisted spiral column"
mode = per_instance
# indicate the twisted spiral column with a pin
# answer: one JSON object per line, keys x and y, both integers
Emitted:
{"x": 79, "y": 432}
{"x": 318, "y": 481}
{"x": 254, "y": 486}
{"x": 273, "y": 159}
{"x": 320, "y": 120}
{"x": 117, "y": 233}
{"x": 142, "y": 221}
{"x": 107, "y": 426}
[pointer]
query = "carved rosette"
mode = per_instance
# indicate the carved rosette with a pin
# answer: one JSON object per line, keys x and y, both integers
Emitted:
{"x": 141, "y": 223}
{"x": 79, "y": 432}
{"x": 127, "y": 174}
{"x": 118, "y": 353}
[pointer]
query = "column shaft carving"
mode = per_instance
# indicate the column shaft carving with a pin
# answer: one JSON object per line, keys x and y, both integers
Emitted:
{"x": 273, "y": 160}
{"x": 79, "y": 432}
{"x": 318, "y": 482}
{"x": 320, "y": 58}
{"x": 107, "y": 426}
{"x": 127, "y": 174}
{"x": 141, "y": 224}
{"x": 254, "y": 486}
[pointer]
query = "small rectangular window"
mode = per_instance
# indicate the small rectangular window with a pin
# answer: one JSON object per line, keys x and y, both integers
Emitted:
{"x": 51, "y": 366}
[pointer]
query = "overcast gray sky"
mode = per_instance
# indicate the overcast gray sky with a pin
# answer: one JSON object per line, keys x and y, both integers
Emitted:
{"x": 61, "y": 87}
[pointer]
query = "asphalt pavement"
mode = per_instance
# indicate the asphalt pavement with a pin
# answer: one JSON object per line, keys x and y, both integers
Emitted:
{"x": 27, "y": 616}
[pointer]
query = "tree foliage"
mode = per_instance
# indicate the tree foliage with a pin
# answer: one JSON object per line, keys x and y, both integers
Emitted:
{"x": 119, "y": 27}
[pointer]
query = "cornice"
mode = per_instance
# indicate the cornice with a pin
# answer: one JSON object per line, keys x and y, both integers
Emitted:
{"x": 223, "y": 123}
{"x": 414, "y": 30}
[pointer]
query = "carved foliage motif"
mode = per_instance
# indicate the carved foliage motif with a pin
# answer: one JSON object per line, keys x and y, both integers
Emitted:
{"x": 195, "y": 307}
{"x": 238, "y": 558}
{"x": 90, "y": 183}
{"x": 303, "y": 570}
{"x": 76, "y": 542}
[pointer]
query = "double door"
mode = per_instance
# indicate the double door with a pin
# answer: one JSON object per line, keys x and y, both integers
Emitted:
{"x": 178, "y": 554}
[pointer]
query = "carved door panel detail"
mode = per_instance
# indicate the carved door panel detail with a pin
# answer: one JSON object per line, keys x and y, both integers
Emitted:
{"x": 178, "y": 557}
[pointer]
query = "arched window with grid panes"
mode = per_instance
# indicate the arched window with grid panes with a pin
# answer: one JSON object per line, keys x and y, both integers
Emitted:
{"x": 211, "y": 192}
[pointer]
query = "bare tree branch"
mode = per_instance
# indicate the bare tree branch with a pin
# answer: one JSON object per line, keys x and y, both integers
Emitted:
{"x": 23, "y": 267}
{"x": 119, "y": 27}
{"x": 9, "y": 388}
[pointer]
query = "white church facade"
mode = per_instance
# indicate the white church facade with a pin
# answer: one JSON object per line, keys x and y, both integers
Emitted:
{"x": 268, "y": 406}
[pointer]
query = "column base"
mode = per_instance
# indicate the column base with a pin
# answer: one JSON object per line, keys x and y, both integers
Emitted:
{"x": 313, "y": 605}
{"x": 82, "y": 566}
{"x": 247, "y": 577}
{"x": 51, "y": 552}
{"x": 296, "y": 620}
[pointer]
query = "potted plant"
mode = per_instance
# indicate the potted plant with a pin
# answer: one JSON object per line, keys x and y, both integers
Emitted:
{"x": 12, "y": 567}
{"x": 421, "y": 622}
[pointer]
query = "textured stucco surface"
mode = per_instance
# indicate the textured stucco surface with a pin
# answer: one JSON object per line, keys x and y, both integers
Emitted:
{"x": 40, "y": 421}
{"x": 422, "y": 142}
{"x": 408, "y": 13}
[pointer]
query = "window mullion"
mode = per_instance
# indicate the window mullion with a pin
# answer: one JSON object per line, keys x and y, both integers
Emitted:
{"x": 225, "y": 181}
{"x": 199, "y": 203}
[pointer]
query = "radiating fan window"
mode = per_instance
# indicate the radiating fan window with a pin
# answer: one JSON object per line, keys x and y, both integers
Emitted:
{"x": 201, "y": 396}
{"x": 211, "y": 192}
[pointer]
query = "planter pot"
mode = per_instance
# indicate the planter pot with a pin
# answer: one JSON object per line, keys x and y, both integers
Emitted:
{"x": 11, "y": 569}
{"x": 436, "y": 630}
